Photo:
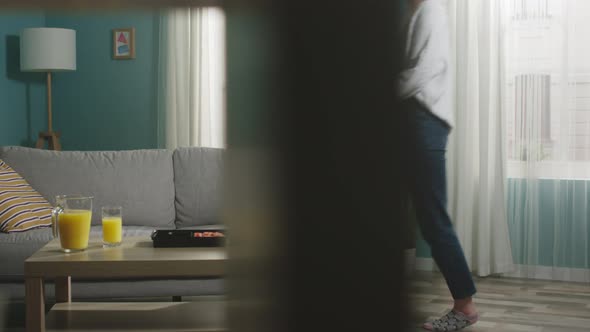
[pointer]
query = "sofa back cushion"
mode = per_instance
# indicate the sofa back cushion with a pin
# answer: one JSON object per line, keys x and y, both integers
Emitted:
{"x": 140, "y": 181}
{"x": 198, "y": 183}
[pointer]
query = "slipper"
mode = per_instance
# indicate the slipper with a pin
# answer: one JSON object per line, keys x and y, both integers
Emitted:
{"x": 452, "y": 321}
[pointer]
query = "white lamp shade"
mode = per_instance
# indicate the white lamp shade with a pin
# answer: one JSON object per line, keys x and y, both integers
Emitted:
{"x": 47, "y": 49}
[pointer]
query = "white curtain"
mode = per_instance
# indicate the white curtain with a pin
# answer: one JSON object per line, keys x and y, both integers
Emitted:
{"x": 477, "y": 155}
{"x": 191, "y": 76}
{"x": 548, "y": 121}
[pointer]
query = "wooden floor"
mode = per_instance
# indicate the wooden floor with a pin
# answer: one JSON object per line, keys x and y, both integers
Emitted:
{"x": 507, "y": 304}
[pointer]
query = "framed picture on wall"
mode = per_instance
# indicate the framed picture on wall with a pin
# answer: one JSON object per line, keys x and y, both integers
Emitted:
{"x": 124, "y": 43}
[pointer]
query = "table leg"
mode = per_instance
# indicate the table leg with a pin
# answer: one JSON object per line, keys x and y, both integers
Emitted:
{"x": 35, "y": 302}
{"x": 63, "y": 289}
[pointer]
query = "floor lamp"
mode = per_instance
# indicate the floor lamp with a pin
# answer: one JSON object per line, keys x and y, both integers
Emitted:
{"x": 48, "y": 50}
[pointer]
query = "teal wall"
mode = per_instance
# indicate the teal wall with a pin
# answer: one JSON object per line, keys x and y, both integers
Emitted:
{"x": 107, "y": 104}
{"x": 560, "y": 244}
{"x": 22, "y": 95}
{"x": 422, "y": 248}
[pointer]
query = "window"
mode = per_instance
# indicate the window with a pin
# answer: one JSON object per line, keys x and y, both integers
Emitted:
{"x": 547, "y": 88}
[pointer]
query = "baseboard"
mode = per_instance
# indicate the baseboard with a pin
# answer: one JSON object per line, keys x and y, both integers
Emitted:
{"x": 524, "y": 271}
{"x": 550, "y": 273}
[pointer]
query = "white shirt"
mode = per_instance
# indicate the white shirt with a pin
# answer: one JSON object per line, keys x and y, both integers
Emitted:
{"x": 426, "y": 74}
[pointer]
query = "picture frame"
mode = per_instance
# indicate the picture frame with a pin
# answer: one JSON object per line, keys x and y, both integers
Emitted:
{"x": 124, "y": 43}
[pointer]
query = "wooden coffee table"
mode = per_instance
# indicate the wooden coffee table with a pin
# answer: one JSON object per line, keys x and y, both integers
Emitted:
{"x": 135, "y": 258}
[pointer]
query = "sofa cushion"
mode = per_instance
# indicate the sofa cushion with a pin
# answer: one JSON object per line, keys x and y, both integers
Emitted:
{"x": 140, "y": 181}
{"x": 198, "y": 183}
{"x": 22, "y": 208}
{"x": 15, "y": 248}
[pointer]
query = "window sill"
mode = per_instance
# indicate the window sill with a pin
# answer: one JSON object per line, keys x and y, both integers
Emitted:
{"x": 549, "y": 170}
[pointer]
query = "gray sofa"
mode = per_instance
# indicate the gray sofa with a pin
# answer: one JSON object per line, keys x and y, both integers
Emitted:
{"x": 158, "y": 189}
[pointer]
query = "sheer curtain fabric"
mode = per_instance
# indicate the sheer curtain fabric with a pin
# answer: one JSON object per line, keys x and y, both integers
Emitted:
{"x": 476, "y": 154}
{"x": 548, "y": 121}
{"x": 191, "y": 91}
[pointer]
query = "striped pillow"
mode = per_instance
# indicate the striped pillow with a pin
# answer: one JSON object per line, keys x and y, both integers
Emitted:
{"x": 21, "y": 207}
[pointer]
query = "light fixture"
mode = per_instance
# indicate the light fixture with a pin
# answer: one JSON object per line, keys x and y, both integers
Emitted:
{"x": 48, "y": 50}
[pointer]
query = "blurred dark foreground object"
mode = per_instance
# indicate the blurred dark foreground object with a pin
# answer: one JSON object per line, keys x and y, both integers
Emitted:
{"x": 316, "y": 197}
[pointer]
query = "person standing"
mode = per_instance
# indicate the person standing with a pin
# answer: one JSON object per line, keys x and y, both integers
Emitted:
{"x": 425, "y": 88}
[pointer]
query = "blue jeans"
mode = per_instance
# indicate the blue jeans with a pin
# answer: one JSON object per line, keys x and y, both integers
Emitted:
{"x": 428, "y": 138}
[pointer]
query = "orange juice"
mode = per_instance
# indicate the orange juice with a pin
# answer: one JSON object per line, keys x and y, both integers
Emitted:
{"x": 112, "y": 229}
{"x": 74, "y": 229}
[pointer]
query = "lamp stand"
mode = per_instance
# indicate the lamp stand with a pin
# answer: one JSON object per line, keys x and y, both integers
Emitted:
{"x": 49, "y": 136}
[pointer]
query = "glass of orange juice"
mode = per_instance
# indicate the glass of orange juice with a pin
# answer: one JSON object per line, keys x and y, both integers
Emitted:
{"x": 70, "y": 221}
{"x": 112, "y": 226}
